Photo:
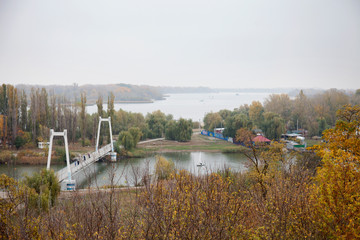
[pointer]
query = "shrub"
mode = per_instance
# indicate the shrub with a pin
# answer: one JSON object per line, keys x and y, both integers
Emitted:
{"x": 5, "y": 156}
{"x": 19, "y": 142}
{"x": 46, "y": 185}
{"x": 61, "y": 153}
{"x": 163, "y": 167}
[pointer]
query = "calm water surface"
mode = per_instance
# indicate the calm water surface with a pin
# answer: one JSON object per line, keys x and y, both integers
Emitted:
{"x": 128, "y": 172}
{"x": 190, "y": 105}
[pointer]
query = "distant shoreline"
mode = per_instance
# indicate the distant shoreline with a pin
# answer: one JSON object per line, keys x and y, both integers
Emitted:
{"x": 125, "y": 102}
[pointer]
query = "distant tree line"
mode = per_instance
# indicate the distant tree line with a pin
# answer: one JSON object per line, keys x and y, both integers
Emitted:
{"x": 122, "y": 92}
{"x": 27, "y": 119}
{"x": 280, "y": 113}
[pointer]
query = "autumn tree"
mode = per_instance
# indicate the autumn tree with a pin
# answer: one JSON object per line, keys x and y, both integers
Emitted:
{"x": 110, "y": 111}
{"x": 180, "y": 130}
{"x": 83, "y": 117}
{"x": 126, "y": 140}
{"x": 44, "y": 107}
{"x": 235, "y": 122}
{"x": 13, "y": 109}
{"x": 280, "y": 104}
{"x": 4, "y": 113}
{"x": 336, "y": 192}
{"x": 52, "y": 111}
{"x": 156, "y": 124}
{"x": 136, "y": 134}
{"x": 110, "y": 106}
{"x": 300, "y": 111}
{"x": 34, "y": 112}
{"x": 211, "y": 121}
{"x": 256, "y": 111}
{"x": 273, "y": 125}
{"x": 23, "y": 111}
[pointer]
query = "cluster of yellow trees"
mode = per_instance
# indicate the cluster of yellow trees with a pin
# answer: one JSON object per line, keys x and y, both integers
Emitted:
{"x": 278, "y": 198}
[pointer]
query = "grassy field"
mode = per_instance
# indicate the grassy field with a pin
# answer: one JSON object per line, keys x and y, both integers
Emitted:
{"x": 197, "y": 143}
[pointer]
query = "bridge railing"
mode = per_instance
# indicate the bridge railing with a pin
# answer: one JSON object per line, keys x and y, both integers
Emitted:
{"x": 85, "y": 161}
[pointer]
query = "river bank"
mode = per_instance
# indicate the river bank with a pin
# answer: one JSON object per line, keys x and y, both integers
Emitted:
{"x": 36, "y": 156}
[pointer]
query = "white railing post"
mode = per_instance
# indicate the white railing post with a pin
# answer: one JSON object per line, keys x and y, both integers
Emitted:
{"x": 113, "y": 154}
{"x": 67, "y": 154}
{"x": 98, "y": 135}
{"x": 50, "y": 149}
{"x": 69, "y": 184}
{"x": 111, "y": 138}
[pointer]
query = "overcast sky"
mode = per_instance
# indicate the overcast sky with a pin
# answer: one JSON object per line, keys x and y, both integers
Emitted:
{"x": 224, "y": 43}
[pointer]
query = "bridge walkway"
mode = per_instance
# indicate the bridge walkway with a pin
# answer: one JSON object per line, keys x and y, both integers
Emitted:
{"x": 84, "y": 162}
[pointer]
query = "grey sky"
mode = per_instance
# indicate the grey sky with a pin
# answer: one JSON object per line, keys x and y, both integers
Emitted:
{"x": 228, "y": 43}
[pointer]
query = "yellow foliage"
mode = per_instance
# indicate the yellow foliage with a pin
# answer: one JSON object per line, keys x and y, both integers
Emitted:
{"x": 163, "y": 167}
{"x": 336, "y": 193}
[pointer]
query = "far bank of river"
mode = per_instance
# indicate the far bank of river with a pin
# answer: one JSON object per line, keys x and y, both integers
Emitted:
{"x": 190, "y": 105}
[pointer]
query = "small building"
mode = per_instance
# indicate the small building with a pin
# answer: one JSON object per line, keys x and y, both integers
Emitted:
{"x": 43, "y": 145}
{"x": 219, "y": 130}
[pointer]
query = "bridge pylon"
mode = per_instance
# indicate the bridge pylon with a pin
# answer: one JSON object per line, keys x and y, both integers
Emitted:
{"x": 69, "y": 184}
{"x": 112, "y": 154}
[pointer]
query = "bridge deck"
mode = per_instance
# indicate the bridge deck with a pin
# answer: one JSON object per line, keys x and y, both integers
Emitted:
{"x": 85, "y": 161}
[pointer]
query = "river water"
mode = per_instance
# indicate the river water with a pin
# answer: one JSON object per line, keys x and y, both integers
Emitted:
{"x": 190, "y": 105}
{"x": 128, "y": 172}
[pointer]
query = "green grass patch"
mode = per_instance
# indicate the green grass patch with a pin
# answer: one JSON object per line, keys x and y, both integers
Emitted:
{"x": 312, "y": 142}
{"x": 234, "y": 149}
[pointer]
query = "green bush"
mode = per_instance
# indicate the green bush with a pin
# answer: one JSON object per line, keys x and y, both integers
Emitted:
{"x": 46, "y": 186}
{"x": 86, "y": 142}
{"x": 61, "y": 153}
{"x": 19, "y": 142}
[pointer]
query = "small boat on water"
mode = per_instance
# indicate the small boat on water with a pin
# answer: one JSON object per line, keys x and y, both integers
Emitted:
{"x": 200, "y": 163}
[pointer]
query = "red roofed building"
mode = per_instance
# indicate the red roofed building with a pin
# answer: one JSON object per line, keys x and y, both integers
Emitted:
{"x": 261, "y": 139}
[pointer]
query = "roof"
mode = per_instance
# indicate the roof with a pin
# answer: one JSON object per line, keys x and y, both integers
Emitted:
{"x": 260, "y": 139}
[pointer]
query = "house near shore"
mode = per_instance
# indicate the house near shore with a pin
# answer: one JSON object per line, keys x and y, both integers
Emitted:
{"x": 259, "y": 139}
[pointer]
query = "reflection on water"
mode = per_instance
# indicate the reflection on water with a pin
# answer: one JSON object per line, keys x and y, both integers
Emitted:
{"x": 128, "y": 172}
{"x": 19, "y": 171}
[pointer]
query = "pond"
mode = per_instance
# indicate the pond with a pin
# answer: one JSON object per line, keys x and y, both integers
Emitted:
{"x": 128, "y": 171}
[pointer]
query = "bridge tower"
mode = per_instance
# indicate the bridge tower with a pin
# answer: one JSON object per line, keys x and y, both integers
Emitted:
{"x": 112, "y": 154}
{"x": 69, "y": 183}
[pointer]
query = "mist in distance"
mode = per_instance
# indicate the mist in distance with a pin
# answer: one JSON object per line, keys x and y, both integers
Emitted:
{"x": 217, "y": 44}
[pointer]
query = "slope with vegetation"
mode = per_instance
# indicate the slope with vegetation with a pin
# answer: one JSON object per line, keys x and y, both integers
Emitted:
{"x": 281, "y": 196}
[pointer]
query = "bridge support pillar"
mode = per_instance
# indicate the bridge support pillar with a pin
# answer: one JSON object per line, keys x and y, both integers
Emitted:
{"x": 68, "y": 185}
{"x": 112, "y": 154}
{"x": 61, "y": 134}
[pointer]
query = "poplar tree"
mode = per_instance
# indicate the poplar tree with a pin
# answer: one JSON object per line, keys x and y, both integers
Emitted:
{"x": 4, "y": 112}
{"x": 23, "y": 110}
{"x": 83, "y": 117}
{"x": 99, "y": 104}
